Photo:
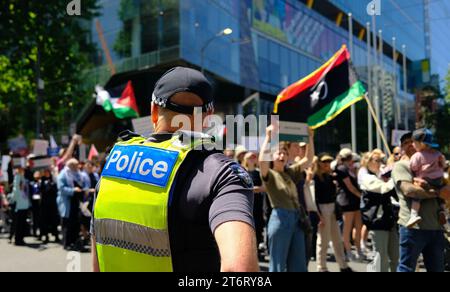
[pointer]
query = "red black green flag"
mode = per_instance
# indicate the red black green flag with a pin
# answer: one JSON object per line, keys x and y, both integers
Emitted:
{"x": 323, "y": 95}
{"x": 120, "y": 100}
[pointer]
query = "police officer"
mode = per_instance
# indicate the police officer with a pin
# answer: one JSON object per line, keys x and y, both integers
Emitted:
{"x": 167, "y": 204}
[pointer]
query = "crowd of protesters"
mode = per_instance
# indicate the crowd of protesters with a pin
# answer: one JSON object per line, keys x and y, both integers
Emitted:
{"x": 50, "y": 201}
{"x": 363, "y": 205}
{"x": 358, "y": 203}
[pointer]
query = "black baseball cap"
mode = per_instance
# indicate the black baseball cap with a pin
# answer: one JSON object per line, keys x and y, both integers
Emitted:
{"x": 180, "y": 79}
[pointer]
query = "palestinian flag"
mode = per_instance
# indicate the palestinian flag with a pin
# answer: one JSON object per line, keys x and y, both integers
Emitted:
{"x": 120, "y": 100}
{"x": 323, "y": 95}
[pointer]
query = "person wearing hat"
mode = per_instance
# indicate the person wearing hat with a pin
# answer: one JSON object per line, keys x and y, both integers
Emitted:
{"x": 427, "y": 238}
{"x": 239, "y": 154}
{"x": 325, "y": 191}
{"x": 165, "y": 203}
{"x": 428, "y": 165}
{"x": 349, "y": 199}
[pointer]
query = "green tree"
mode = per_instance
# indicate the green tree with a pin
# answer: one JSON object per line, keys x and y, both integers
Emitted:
{"x": 439, "y": 119}
{"x": 16, "y": 92}
{"x": 447, "y": 89}
{"x": 40, "y": 36}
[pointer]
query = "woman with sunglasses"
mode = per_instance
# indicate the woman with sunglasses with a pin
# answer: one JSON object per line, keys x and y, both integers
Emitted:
{"x": 378, "y": 210}
{"x": 395, "y": 157}
{"x": 325, "y": 192}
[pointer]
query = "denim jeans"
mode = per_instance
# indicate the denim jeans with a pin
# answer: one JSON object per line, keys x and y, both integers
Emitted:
{"x": 286, "y": 242}
{"x": 414, "y": 242}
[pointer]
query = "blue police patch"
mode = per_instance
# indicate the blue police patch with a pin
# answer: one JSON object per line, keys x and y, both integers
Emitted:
{"x": 141, "y": 164}
{"x": 243, "y": 175}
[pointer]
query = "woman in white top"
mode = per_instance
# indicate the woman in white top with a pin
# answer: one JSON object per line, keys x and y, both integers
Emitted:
{"x": 378, "y": 210}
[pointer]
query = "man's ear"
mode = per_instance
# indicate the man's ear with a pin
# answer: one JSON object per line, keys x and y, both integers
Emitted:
{"x": 155, "y": 113}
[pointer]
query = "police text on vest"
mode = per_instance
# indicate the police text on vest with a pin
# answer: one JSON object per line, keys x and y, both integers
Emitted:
{"x": 142, "y": 164}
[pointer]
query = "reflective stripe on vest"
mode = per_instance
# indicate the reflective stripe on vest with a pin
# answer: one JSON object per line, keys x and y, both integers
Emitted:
{"x": 131, "y": 209}
{"x": 132, "y": 237}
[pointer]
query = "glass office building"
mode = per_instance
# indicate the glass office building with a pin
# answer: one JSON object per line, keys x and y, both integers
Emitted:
{"x": 274, "y": 43}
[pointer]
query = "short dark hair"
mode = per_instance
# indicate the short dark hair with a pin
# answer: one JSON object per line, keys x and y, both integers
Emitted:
{"x": 405, "y": 137}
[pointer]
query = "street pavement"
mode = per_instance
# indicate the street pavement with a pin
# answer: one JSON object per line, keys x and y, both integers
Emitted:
{"x": 36, "y": 257}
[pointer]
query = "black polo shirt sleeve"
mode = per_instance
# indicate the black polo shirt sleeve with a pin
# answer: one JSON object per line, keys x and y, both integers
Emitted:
{"x": 232, "y": 190}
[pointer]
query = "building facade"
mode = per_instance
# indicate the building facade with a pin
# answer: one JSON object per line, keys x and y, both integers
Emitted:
{"x": 274, "y": 44}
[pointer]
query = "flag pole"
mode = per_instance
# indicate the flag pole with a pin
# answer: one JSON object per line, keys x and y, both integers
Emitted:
{"x": 377, "y": 123}
{"x": 105, "y": 48}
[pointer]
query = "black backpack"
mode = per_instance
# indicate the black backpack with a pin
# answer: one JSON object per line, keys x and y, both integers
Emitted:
{"x": 377, "y": 211}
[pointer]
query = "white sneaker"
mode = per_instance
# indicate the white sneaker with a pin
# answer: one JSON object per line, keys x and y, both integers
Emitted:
{"x": 413, "y": 221}
{"x": 361, "y": 257}
{"x": 364, "y": 247}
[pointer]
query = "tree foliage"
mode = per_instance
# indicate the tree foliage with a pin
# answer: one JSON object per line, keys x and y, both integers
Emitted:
{"x": 33, "y": 31}
{"x": 439, "y": 119}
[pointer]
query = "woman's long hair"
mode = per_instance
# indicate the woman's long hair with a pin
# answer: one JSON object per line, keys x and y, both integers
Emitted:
{"x": 317, "y": 169}
{"x": 367, "y": 157}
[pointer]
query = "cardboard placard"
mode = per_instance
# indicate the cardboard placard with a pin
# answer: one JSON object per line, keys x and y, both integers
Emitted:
{"x": 21, "y": 161}
{"x": 396, "y": 136}
{"x": 17, "y": 144}
{"x": 294, "y": 132}
{"x": 40, "y": 147}
{"x": 42, "y": 163}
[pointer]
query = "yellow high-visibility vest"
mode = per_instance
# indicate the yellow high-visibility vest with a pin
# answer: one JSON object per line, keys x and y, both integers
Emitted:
{"x": 131, "y": 210}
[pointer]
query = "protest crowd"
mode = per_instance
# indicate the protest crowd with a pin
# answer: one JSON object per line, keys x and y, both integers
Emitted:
{"x": 45, "y": 202}
{"x": 304, "y": 204}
